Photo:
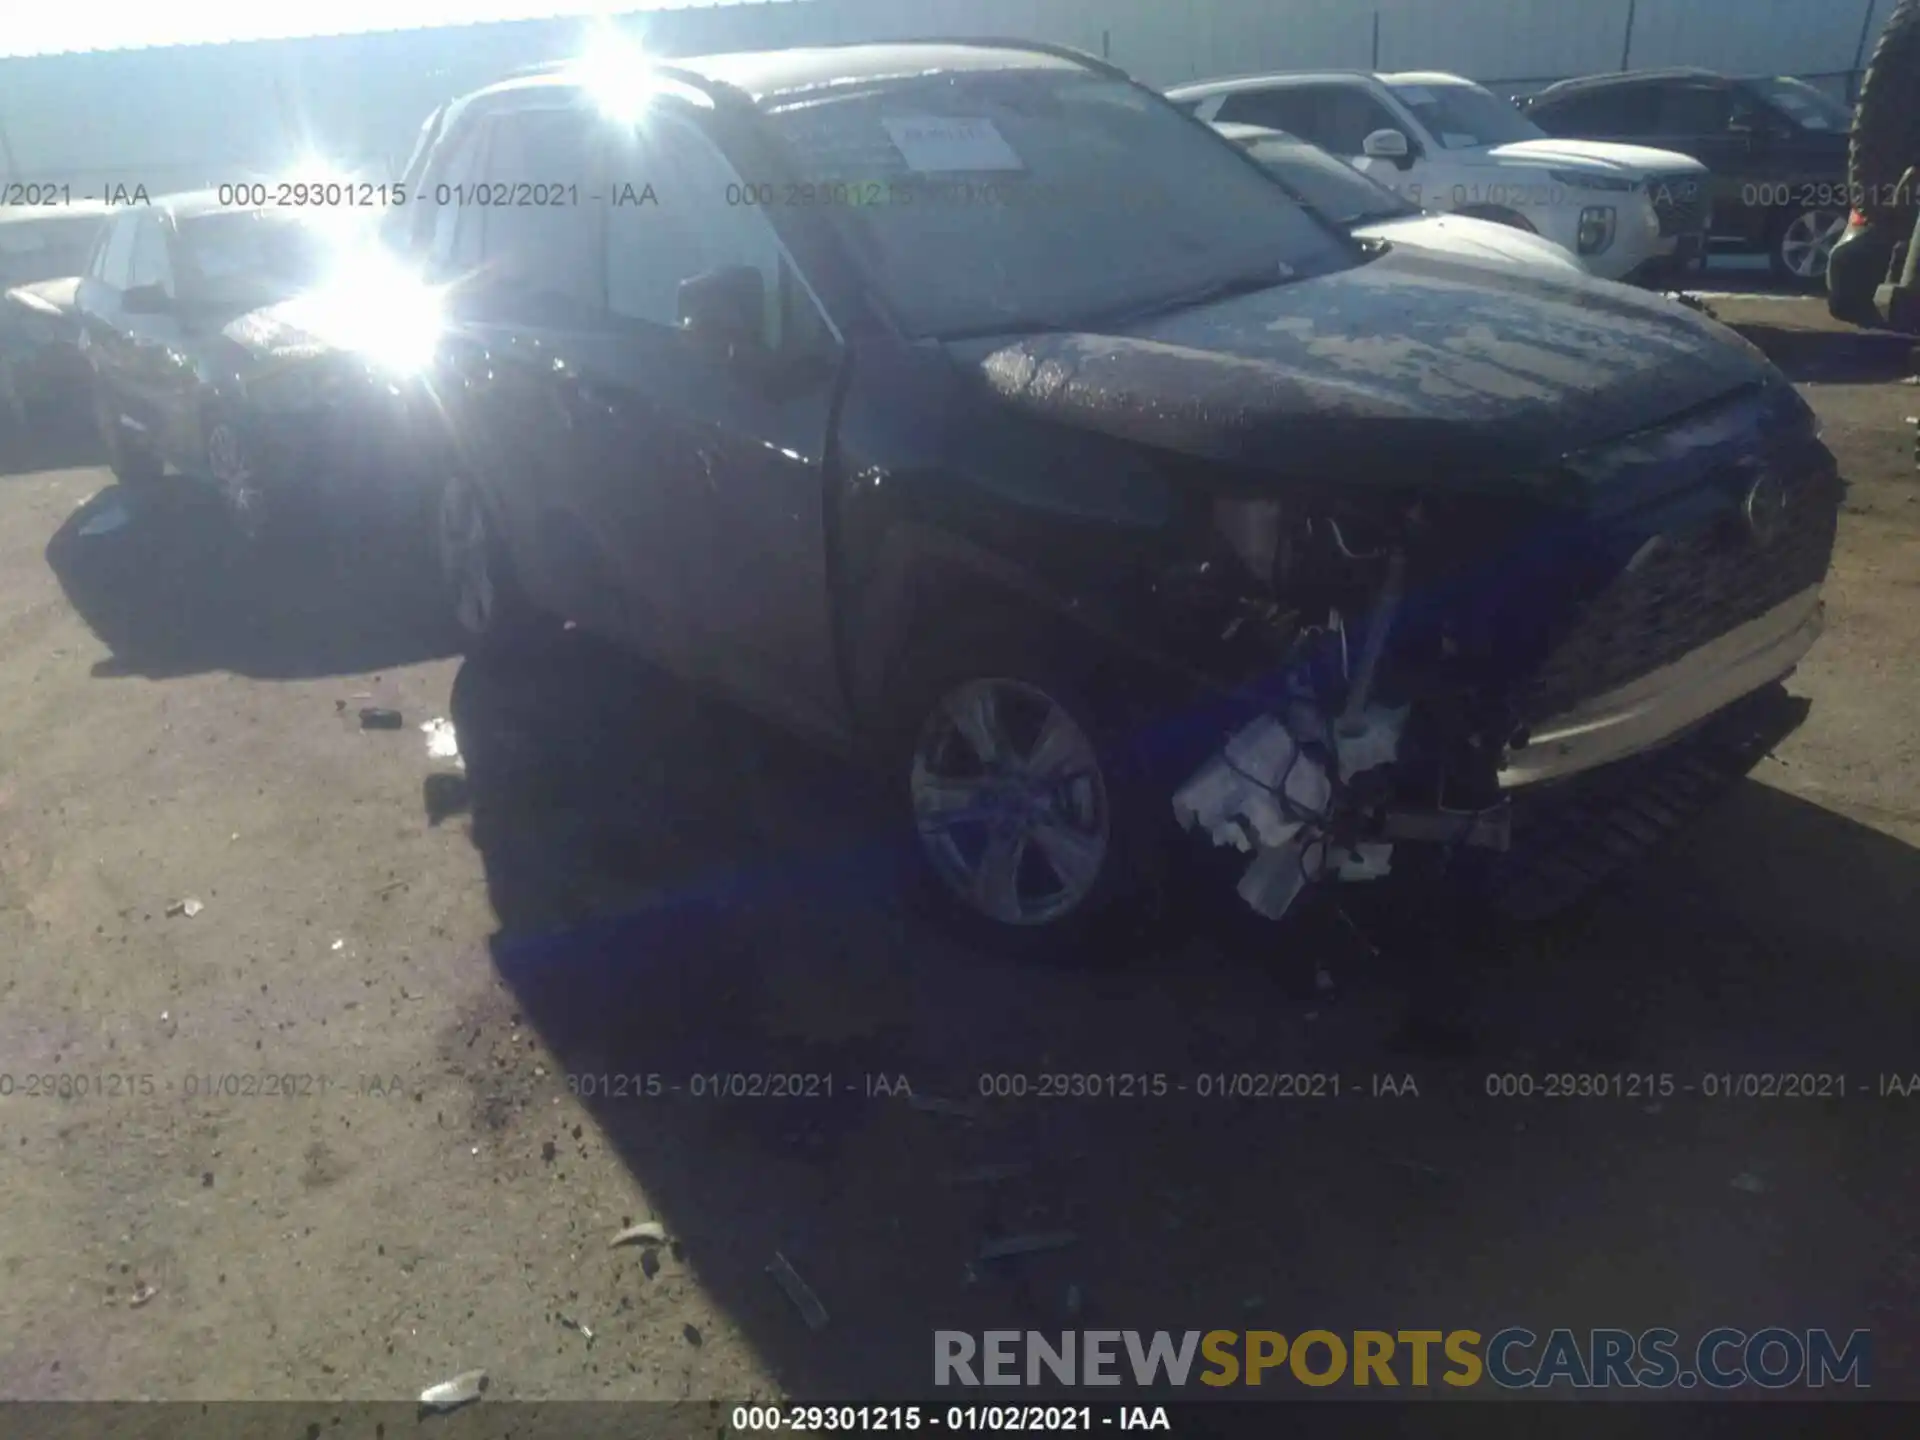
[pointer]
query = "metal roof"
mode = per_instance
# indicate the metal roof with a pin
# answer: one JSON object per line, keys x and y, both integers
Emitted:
{"x": 764, "y": 75}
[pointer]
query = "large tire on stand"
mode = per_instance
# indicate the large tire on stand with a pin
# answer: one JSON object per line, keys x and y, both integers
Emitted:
{"x": 1886, "y": 123}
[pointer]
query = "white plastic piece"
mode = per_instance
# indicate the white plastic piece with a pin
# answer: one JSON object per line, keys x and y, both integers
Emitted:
{"x": 1238, "y": 797}
{"x": 1276, "y": 878}
{"x": 1369, "y": 860}
{"x": 1376, "y": 742}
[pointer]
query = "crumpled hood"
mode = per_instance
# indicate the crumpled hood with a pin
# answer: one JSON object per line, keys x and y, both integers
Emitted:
{"x": 276, "y": 334}
{"x": 1601, "y": 156}
{"x": 1410, "y": 367}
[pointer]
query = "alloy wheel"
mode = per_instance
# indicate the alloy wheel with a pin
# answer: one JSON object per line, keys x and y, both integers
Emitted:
{"x": 1010, "y": 802}
{"x": 1807, "y": 242}
{"x": 466, "y": 560}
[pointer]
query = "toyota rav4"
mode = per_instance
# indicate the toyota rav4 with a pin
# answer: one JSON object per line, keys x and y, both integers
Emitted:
{"x": 972, "y": 409}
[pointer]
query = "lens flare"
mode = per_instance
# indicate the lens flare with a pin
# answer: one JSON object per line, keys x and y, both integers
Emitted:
{"x": 615, "y": 70}
{"x": 376, "y": 307}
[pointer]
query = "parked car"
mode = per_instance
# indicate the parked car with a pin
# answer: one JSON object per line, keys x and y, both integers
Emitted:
{"x": 42, "y": 250}
{"x": 1629, "y": 212}
{"x": 967, "y": 408}
{"x": 1365, "y": 208}
{"x": 214, "y": 337}
{"x": 1777, "y": 148}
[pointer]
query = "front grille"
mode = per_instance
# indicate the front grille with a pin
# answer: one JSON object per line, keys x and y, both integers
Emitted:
{"x": 1680, "y": 202}
{"x": 1689, "y": 589}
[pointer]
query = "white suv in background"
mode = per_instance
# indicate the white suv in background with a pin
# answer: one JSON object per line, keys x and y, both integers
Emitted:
{"x": 1447, "y": 144}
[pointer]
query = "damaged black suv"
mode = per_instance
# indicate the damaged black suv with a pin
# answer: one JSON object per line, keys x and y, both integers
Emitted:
{"x": 969, "y": 408}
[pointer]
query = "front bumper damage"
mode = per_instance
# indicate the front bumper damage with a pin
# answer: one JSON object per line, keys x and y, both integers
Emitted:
{"x": 1288, "y": 788}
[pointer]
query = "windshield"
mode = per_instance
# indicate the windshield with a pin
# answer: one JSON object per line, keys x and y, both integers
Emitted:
{"x": 1812, "y": 109}
{"x": 1463, "y": 117}
{"x": 247, "y": 255}
{"x": 1339, "y": 191}
{"x": 36, "y": 250}
{"x": 993, "y": 200}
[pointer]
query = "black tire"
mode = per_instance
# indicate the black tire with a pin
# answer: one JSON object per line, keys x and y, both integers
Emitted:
{"x": 131, "y": 462}
{"x": 1886, "y": 122}
{"x": 1111, "y": 923}
{"x": 1788, "y": 231}
{"x": 1512, "y": 219}
{"x": 255, "y": 508}
{"x": 507, "y": 619}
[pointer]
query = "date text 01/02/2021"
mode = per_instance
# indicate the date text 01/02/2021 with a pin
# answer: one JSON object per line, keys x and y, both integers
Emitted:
{"x": 1003, "y": 1085}
{"x": 952, "y": 1419}
{"x": 71, "y": 1085}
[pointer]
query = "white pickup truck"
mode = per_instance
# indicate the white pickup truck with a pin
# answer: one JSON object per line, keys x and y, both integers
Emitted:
{"x": 1446, "y": 144}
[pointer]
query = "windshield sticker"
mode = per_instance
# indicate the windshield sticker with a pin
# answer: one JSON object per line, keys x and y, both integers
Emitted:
{"x": 939, "y": 144}
{"x": 1454, "y": 140}
{"x": 1415, "y": 94}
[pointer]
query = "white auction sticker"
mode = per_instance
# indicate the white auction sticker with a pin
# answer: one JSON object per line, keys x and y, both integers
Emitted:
{"x": 933, "y": 144}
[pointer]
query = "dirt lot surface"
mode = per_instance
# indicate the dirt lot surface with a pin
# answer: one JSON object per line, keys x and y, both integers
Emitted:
{"x": 626, "y": 882}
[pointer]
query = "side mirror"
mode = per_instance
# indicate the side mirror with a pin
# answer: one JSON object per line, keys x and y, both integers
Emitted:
{"x": 723, "y": 310}
{"x": 1386, "y": 145}
{"x": 146, "y": 300}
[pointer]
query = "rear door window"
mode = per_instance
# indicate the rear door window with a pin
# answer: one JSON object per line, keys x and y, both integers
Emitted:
{"x": 543, "y": 240}
{"x": 453, "y": 244}
{"x": 1297, "y": 111}
{"x": 1695, "y": 109}
{"x": 150, "y": 264}
{"x": 117, "y": 262}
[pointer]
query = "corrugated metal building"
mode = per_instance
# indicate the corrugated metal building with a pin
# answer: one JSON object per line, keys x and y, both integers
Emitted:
{"x": 178, "y": 116}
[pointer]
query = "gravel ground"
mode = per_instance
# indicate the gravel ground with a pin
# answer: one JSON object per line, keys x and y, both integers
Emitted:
{"x": 333, "y": 1141}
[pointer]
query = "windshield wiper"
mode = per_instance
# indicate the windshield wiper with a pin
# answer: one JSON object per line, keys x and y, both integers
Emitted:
{"x": 1205, "y": 295}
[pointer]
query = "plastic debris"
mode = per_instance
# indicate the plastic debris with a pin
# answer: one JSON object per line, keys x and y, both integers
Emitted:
{"x": 990, "y": 1174}
{"x": 378, "y": 717}
{"x": 804, "y": 1300}
{"x": 1748, "y": 1181}
{"x": 142, "y": 1293}
{"x": 188, "y": 907}
{"x": 111, "y": 518}
{"x": 1011, "y": 1245}
{"x": 443, "y": 742}
{"x": 586, "y": 1330}
{"x": 462, "y": 1389}
{"x": 1257, "y": 793}
{"x": 647, "y": 1232}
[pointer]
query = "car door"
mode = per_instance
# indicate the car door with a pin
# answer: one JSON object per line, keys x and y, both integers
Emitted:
{"x": 707, "y": 474}
{"x": 518, "y": 305}
{"x": 152, "y": 342}
{"x": 1697, "y": 118}
{"x": 108, "y": 348}
{"x": 168, "y": 366}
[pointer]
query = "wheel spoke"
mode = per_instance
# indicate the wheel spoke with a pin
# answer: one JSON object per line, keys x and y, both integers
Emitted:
{"x": 996, "y": 881}
{"x": 975, "y": 712}
{"x": 1075, "y": 857}
{"x": 1058, "y": 744}
{"x": 942, "y": 802}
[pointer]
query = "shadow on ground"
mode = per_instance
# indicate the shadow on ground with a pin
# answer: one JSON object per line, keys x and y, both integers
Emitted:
{"x": 56, "y": 441}
{"x": 683, "y": 894}
{"x": 167, "y": 586}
